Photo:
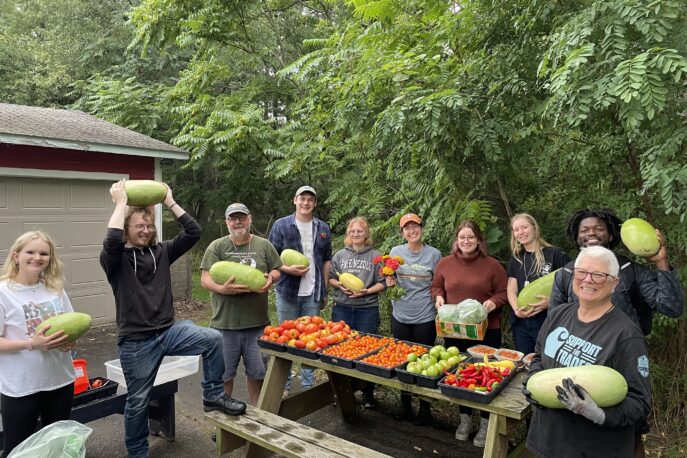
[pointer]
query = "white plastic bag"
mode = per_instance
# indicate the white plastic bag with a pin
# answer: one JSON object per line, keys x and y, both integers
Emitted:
{"x": 468, "y": 311}
{"x": 62, "y": 439}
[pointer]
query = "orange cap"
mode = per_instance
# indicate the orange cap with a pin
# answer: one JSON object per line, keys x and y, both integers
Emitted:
{"x": 410, "y": 217}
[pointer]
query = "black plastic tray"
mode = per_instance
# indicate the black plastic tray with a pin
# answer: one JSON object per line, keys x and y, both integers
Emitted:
{"x": 483, "y": 397}
{"x": 108, "y": 388}
{"x": 423, "y": 380}
{"x": 303, "y": 352}
{"x": 271, "y": 345}
{"x": 373, "y": 369}
{"x": 345, "y": 362}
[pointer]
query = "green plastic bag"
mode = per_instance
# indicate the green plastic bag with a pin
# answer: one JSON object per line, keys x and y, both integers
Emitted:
{"x": 62, "y": 439}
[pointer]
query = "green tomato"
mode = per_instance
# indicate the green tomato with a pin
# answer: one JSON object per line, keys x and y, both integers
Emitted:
{"x": 453, "y": 350}
{"x": 412, "y": 357}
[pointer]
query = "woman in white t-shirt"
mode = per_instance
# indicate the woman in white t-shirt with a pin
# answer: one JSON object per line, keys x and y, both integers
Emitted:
{"x": 37, "y": 376}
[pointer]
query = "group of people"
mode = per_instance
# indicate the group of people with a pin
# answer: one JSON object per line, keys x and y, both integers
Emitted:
{"x": 601, "y": 299}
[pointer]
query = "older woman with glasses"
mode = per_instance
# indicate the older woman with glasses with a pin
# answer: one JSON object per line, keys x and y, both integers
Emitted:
{"x": 468, "y": 273}
{"x": 594, "y": 331}
{"x": 359, "y": 310}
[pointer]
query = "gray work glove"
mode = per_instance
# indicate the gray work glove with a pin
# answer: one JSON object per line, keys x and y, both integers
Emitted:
{"x": 577, "y": 400}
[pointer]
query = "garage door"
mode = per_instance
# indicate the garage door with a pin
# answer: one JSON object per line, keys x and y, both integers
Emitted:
{"x": 75, "y": 214}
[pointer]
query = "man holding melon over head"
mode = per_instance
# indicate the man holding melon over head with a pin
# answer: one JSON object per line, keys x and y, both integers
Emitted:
{"x": 238, "y": 286}
{"x": 640, "y": 291}
{"x": 302, "y": 290}
{"x": 137, "y": 267}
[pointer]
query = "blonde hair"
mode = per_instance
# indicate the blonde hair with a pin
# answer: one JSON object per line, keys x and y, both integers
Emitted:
{"x": 362, "y": 221}
{"x": 539, "y": 243}
{"x": 147, "y": 214}
{"x": 51, "y": 276}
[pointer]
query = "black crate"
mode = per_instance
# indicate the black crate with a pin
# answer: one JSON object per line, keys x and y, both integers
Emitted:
{"x": 303, "y": 352}
{"x": 108, "y": 388}
{"x": 271, "y": 345}
{"x": 404, "y": 376}
{"x": 483, "y": 397}
{"x": 373, "y": 369}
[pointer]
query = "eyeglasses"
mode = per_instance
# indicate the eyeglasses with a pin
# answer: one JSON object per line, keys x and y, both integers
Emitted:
{"x": 234, "y": 218}
{"x": 467, "y": 238}
{"x": 597, "y": 277}
{"x": 140, "y": 227}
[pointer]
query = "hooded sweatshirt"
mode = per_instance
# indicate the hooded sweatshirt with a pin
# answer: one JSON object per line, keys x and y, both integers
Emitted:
{"x": 141, "y": 280}
{"x": 358, "y": 263}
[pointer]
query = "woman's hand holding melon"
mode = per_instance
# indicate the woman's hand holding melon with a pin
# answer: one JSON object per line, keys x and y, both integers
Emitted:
{"x": 40, "y": 341}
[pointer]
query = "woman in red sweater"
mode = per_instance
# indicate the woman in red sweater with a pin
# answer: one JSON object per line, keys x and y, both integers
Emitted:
{"x": 468, "y": 273}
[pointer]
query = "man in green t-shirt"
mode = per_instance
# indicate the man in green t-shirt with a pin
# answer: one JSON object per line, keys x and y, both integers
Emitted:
{"x": 237, "y": 312}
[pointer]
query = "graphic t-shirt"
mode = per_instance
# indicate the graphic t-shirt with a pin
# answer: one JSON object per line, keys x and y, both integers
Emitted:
{"x": 308, "y": 280}
{"x": 415, "y": 276}
{"x": 247, "y": 310}
{"x": 22, "y": 309}
{"x": 612, "y": 340}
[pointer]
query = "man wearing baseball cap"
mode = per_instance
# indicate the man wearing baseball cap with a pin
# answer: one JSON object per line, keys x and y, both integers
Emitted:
{"x": 302, "y": 291}
{"x": 239, "y": 313}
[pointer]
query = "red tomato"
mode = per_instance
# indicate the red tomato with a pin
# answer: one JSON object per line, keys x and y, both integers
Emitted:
{"x": 288, "y": 324}
{"x": 300, "y": 344}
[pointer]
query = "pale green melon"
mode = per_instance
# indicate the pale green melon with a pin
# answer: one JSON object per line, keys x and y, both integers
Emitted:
{"x": 141, "y": 193}
{"x": 245, "y": 275}
{"x": 291, "y": 257}
{"x": 605, "y": 385}
{"x": 541, "y": 286}
{"x": 640, "y": 237}
{"x": 74, "y": 325}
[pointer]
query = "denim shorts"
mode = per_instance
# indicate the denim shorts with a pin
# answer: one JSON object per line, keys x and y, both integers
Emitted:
{"x": 243, "y": 343}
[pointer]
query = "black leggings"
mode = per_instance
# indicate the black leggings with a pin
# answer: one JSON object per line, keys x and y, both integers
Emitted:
{"x": 422, "y": 333}
{"x": 20, "y": 415}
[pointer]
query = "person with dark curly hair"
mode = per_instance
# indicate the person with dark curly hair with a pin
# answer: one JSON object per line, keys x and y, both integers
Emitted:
{"x": 640, "y": 292}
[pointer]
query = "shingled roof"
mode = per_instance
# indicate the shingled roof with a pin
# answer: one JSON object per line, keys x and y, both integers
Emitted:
{"x": 72, "y": 129}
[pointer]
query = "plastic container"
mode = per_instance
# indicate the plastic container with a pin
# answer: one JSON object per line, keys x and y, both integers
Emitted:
{"x": 108, "y": 388}
{"x": 81, "y": 382}
{"x": 302, "y": 352}
{"x": 483, "y": 397}
{"x": 172, "y": 368}
{"x": 478, "y": 351}
{"x": 505, "y": 354}
{"x": 271, "y": 345}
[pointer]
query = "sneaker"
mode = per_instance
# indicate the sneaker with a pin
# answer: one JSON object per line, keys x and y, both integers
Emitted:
{"x": 226, "y": 404}
{"x": 464, "y": 428}
{"x": 481, "y": 436}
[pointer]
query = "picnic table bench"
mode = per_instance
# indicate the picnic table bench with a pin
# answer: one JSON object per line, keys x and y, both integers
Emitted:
{"x": 509, "y": 406}
{"x": 161, "y": 411}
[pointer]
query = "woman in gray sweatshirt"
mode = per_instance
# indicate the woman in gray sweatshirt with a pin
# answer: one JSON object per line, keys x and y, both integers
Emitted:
{"x": 359, "y": 310}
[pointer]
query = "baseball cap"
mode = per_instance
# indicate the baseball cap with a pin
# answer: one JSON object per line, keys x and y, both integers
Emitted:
{"x": 410, "y": 217}
{"x": 236, "y": 208}
{"x": 303, "y": 189}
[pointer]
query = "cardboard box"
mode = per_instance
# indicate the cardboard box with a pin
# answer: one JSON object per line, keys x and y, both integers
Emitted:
{"x": 461, "y": 330}
{"x": 172, "y": 368}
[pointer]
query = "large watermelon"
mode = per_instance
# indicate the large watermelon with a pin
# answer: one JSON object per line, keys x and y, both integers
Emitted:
{"x": 640, "y": 237}
{"x": 605, "y": 385}
{"x": 245, "y": 275}
{"x": 541, "y": 286}
{"x": 141, "y": 193}
{"x": 74, "y": 325}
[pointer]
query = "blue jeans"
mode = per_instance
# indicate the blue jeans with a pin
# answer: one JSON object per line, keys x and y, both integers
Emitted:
{"x": 290, "y": 310}
{"x": 363, "y": 319}
{"x": 141, "y": 360}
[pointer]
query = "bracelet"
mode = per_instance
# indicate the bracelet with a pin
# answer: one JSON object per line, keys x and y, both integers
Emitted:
{"x": 29, "y": 345}
{"x": 172, "y": 206}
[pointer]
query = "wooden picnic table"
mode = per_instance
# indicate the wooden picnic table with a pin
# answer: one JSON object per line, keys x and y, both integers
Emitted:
{"x": 508, "y": 406}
